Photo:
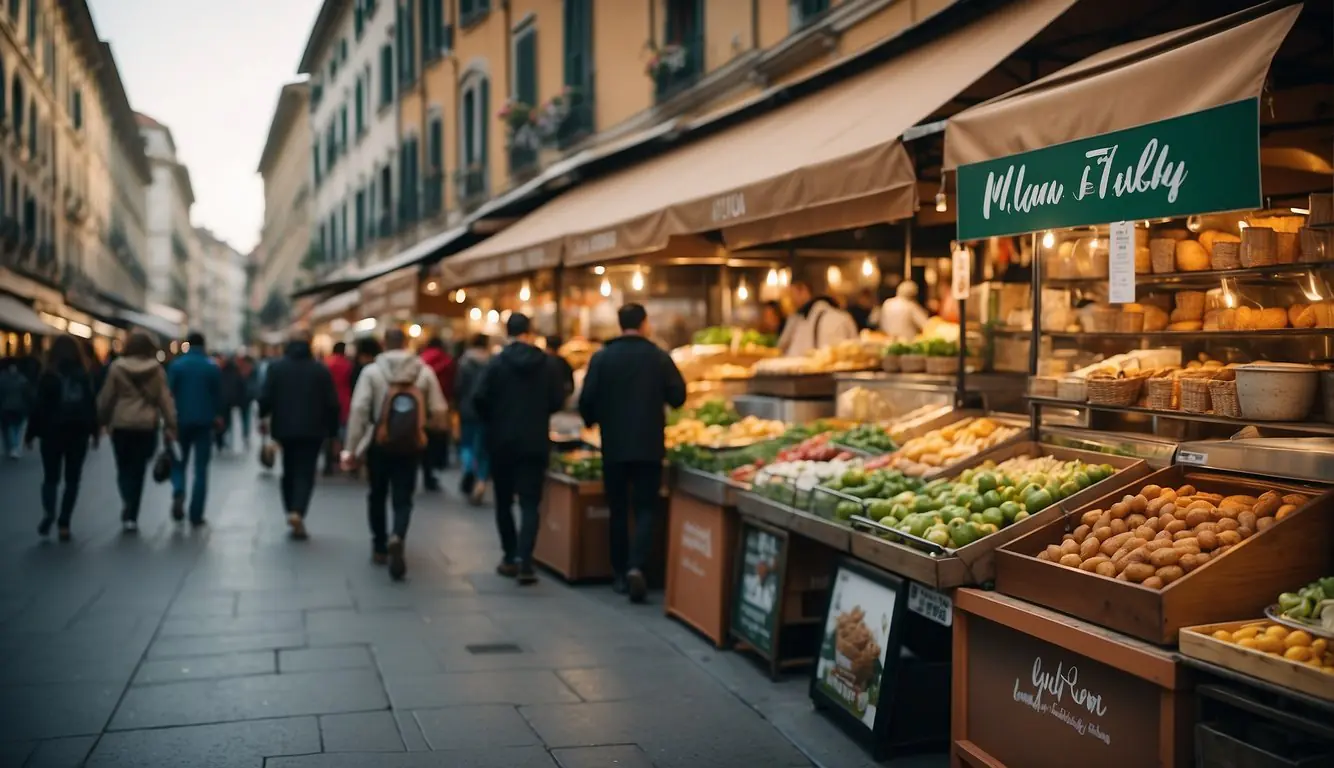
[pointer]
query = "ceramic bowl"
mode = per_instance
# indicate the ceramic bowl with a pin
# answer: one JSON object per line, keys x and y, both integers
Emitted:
{"x": 1276, "y": 391}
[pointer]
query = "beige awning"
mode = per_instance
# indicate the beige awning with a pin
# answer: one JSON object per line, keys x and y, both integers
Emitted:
{"x": 1169, "y": 75}
{"x": 390, "y": 294}
{"x": 335, "y": 306}
{"x": 17, "y": 316}
{"x": 786, "y": 173}
{"x": 498, "y": 262}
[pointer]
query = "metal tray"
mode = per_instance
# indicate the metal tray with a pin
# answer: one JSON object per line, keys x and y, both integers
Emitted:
{"x": 707, "y": 486}
{"x": 794, "y": 385}
{"x": 1274, "y": 614}
{"x": 764, "y": 509}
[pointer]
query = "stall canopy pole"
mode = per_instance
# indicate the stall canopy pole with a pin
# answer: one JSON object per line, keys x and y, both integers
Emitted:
{"x": 960, "y": 384}
{"x": 557, "y": 286}
{"x": 1035, "y": 335}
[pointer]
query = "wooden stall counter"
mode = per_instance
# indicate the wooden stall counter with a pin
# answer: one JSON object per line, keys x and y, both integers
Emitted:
{"x": 575, "y": 529}
{"x": 701, "y": 542}
{"x": 1035, "y": 688}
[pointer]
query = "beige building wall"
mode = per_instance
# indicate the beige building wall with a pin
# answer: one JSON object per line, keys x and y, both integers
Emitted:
{"x": 285, "y": 168}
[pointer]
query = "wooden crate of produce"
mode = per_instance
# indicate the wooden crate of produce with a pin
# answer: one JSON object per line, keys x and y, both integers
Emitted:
{"x": 974, "y": 564}
{"x": 1198, "y": 642}
{"x": 1243, "y": 577}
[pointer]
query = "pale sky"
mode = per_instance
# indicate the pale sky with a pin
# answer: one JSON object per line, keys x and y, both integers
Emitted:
{"x": 211, "y": 72}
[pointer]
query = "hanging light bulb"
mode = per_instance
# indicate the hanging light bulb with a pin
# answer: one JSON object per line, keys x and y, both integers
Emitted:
{"x": 414, "y": 330}
{"x": 493, "y": 317}
{"x": 1049, "y": 239}
{"x": 461, "y": 296}
{"x": 637, "y": 281}
{"x": 742, "y": 292}
{"x": 432, "y": 287}
{"x": 942, "y": 204}
{"x": 784, "y": 277}
{"x": 771, "y": 279}
{"x": 868, "y": 267}
{"x": 605, "y": 288}
{"x": 525, "y": 293}
{"x": 834, "y": 276}
{"x": 599, "y": 270}
{"x": 475, "y": 314}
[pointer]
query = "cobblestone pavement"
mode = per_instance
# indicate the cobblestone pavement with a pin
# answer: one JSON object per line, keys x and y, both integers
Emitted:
{"x": 236, "y": 648}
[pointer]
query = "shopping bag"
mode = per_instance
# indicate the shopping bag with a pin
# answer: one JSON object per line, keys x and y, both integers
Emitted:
{"x": 162, "y": 466}
{"x": 268, "y": 454}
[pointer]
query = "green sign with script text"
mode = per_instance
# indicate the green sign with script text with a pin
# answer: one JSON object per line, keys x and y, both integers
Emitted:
{"x": 1204, "y": 162}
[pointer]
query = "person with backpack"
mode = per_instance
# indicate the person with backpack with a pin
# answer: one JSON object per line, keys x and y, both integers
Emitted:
{"x": 396, "y": 400}
{"x": 131, "y": 404}
{"x": 196, "y": 387}
{"x": 15, "y": 394}
{"x": 518, "y": 391}
{"x": 437, "y": 450}
{"x": 64, "y": 418}
{"x": 472, "y": 440}
{"x": 299, "y": 408}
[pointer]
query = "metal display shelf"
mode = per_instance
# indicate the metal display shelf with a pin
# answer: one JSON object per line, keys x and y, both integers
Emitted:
{"x": 1207, "y": 275}
{"x": 1192, "y": 335}
{"x": 1300, "y": 427}
{"x": 1309, "y": 459}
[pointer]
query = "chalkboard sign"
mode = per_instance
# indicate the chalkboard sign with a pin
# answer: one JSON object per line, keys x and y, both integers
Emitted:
{"x": 758, "y": 587}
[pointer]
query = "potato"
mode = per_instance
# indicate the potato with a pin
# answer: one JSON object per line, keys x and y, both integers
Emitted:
{"x": 1145, "y": 532}
{"x": 1245, "y": 533}
{"x": 1067, "y": 537}
{"x": 1268, "y": 643}
{"x": 1054, "y": 552}
{"x": 1179, "y": 535}
{"x": 1090, "y": 517}
{"x": 1107, "y": 569}
{"x": 1235, "y": 508}
{"x": 1175, "y": 527}
{"x": 1227, "y": 524}
{"x": 1164, "y": 557}
{"x": 1197, "y": 516}
{"x": 1044, "y": 556}
{"x": 1164, "y": 519}
{"x": 1298, "y": 637}
{"x": 1246, "y": 519}
{"x": 1296, "y": 499}
{"x": 1119, "y": 510}
{"x": 1264, "y": 524}
{"x": 1212, "y": 498}
{"x": 1071, "y": 561}
{"x": 1229, "y": 538}
{"x": 1221, "y": 551}
{"x": 1138, "y": 504}
{"x": 1138, "y": 572}
{"x": 1297, "y": 653}
{"x": 1267, "y": 504}
{"x": 1223, "y": 634}
{"x": 1069, "y": 548}
{"x": 1206, "y": 527}
{"x": 1153, "y": 582}
{"x": 1164, "y": 535}
{"x": 1115, "y": 542}
{"x": 1194, "y": 505}
{"x": 1151, "y": 491}
{"x": 1156, "y": 506}
{"x": 1245, "y": 633}
{"x": 1135, "y": 521}
{"x": 1284, "y": 511}
{"x": 1157, "y": 544}
{"x": 1168, "y": 509}
{"x": 1241, "y": 499}
{"x": 1207, "y": 540}
{"x": 1129, "y": 546}
{"x": 1122, "y": 576}
{"x": 1088, "y": 548}
{"x": 1186, "y": 490}
{"x": 1118, "y": 527}
{"x": 1103, "y": 534}
{"x": 1170, "y": 573}
{"x": 1081, "y": 533}
{"x": 1189, "y": 562}
{"x": 1127, "y": 558}
{"x": 1092, "y": 563}
{"x": 1104, "y": 520}
{"x": 1187, "y": 546}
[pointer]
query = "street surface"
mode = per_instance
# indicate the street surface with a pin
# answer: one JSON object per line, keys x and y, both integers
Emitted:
{"x": 233, "y": 647}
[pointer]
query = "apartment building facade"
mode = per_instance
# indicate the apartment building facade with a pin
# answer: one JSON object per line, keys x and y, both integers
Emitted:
{"x": 173, "y": 247}
{"x": 285, "y": 257}
{"x": 220, "y": 293}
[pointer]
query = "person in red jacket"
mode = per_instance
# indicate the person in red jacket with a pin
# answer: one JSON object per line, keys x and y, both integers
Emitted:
{"x": 438, "y": 359}
{"x": 341, "y": 370}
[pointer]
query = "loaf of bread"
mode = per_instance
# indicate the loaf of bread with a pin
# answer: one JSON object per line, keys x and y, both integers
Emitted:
{"x": 1271, "y": 319}
{"x": 1210, "y": 238}
{"x": 1155, "y": 319}
{"x": 1247, "y": 318}
{"x": 1143, "y": 260}
{"x": 1189, "y": 305}
{"x": 1212, "y": 318}
{"x": 1301, "y": 316}
{"x": 1188, "y": 325}
{"x": 1227, "y": 319}
{"x": 1191, "y": 256}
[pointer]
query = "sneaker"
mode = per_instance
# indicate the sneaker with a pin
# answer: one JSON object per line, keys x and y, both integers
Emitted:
{"x": 297, "y": 526}
{"x": 431, "y": 484}
{"x": 200, "y": 523}
{"x": 378, "y": 557}
{"x": 619, "y": 586}
{"x": 507, "y": 569}
{"x": 398, "y": 567}
{"x": 478, "y": 494}
{"x": 527, "y": 576}
{"x": 466, "y": 483}
{"x": 44, "y": 527}
{"x": 129, "y": 526}
{"x": 637, "y": 586}
{"x": 178, "y": 508}
{"x": 62, "y": 535}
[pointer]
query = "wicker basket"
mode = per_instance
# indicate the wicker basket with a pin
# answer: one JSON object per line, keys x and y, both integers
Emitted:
{"x": 1223, "y": 395}
{"x": 1072, "y": 389}
{"x": 912, "y": 363}
{"x": 889, "y": 363}
{"x": 1195, "y": 394}
{"x": 1118, "y": 392}
{"x": 1130, "y": 321}
{"x": 1103, "y": 319}
{"x": 1163, "y": 255}
{"x": 1225, "y": 256}
{"x": 942, "y": 366}
{"x": 1162, "y": 392}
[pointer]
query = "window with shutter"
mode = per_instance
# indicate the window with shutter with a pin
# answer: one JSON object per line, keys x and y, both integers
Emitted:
{"x": 360, "y": 119}
{"x": 467, "y": 130}
{"x": 360, "y": 230}
{"x": 525, "y": 66}
{"x": 803, "y": 12}
{"x": 386, "y": 75}
{"x": 483, "y": 119}
{"x": 342, "y": 122}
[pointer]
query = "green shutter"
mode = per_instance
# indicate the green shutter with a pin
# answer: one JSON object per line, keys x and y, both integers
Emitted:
{"x": 435, "y": 144}
{"x": 484, "y": 123}
{"x": 577, "y": 34}
{"x": 525, "y": 68}
{"x": 468, "y": 130}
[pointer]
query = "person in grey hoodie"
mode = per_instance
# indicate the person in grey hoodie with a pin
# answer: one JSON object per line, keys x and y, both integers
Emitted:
{"x": 392, "y": 473}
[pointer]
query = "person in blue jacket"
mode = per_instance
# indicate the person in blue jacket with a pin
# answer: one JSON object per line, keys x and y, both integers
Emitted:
{"x": 196, "y": 387}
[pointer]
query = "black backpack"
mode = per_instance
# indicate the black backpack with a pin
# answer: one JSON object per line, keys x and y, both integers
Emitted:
{"x": 75, "y": 402}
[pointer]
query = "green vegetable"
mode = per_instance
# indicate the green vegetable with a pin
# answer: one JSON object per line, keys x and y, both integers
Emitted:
{"x": 1288, "y": 601}
{"x": 844, "y": 510}
{"x": 993, "y": 516}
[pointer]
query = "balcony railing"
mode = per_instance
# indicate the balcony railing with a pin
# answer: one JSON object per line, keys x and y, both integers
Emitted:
{"x": 675, "y": 69}
{"x": 470, "y": 186}
{"x": 577, "y": 123}
{"x": 525, "y": 144}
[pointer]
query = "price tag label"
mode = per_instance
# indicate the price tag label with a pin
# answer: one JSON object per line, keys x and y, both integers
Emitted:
{"x": 931, "y": 604}
{"x": 1121, "y": 264}
{"x": 962, "y": 266}
{"x": 1192, "y": 457}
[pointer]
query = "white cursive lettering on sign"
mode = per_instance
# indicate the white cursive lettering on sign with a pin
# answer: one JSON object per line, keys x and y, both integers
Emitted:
{"x": 697, "y": 538}
{"x": 1063, "y": 683}
{"x": 602, "y": 241}
{"x": 729, "y": 206}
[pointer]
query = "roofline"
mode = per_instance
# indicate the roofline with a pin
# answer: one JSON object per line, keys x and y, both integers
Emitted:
{"x": 183, "y": 179}
{"x": 330, "y": 10}
{"x": 291, "y": 103}
{"x": 156, "y": 125}
{"x": 123, "y": 121}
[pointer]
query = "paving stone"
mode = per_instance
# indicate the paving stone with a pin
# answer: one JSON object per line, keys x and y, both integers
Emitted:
{"x": 615, "y": 756}
{"x": 312, "y": 659}
{"x": 446, "y": 690}
{"x": 61, "y": 753}
{"x": 249, "y": 698}
{"x": 274, "y": 602}
{"x": 225, "y": 745}
{"x": 15, "y": 752}
{"x": 206, "y": 667}
{"x": 475, "y": 727}
{"x": 642, "y": 680}
{"x": 410, "y": 731}
{"x": 37, "y": 666}
{"x": 505, "y": 757}
{"x": 210, "y": 605}
{"x": 361, "y": 732}
{"x": 181, "y": 647}
{"x": 206, "y": 626}
{"x": 31, "y": 712}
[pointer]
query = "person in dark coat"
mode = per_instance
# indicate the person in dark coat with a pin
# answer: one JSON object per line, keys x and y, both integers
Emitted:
{"x": 472, "y": 437}
{"x": 64, "y": 418}
{"x": 299, "y": 409}
{"x": 233, "y": 399}
{"x": 518, "y": 391}
{"x": 563, "y": 368}
{"x": 629, "y": 381}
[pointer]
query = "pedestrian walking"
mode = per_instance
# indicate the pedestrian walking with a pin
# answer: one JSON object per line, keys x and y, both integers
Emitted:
{"x": 232, "y": 386}
{"x": 64, "y": 418}
{"x": 250, "y": 381}
{"x": 472, "y": 436}
{"x": 299, "y": 408}
{"x": 15, "y": 400}
{"x": 437, "y": 440}
{"x": 629, "y": 381}
{"x": 131, "y": 404}
{"x": 340, "y": 369}
{"x": 196, "y": 387}
{"x": 518, "y": 391}
{"x": 395, "y": 399}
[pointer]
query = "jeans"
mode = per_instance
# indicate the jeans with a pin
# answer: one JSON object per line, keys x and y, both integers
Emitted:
{"x": 134, "y": 449}
{"x": 11, "y": 432}
{"x": 522, "y": 477}
{"x": 437, "y": 456}
{"x": 392, "y": 476}
{"x": 245, "y": 409}
{"x": 62, "y": 455}
{"x": 300, "y": 463}
{"x": 196, "y": 440}
{"x": 472, "y": 449}
{"x": 632, "y": 484}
